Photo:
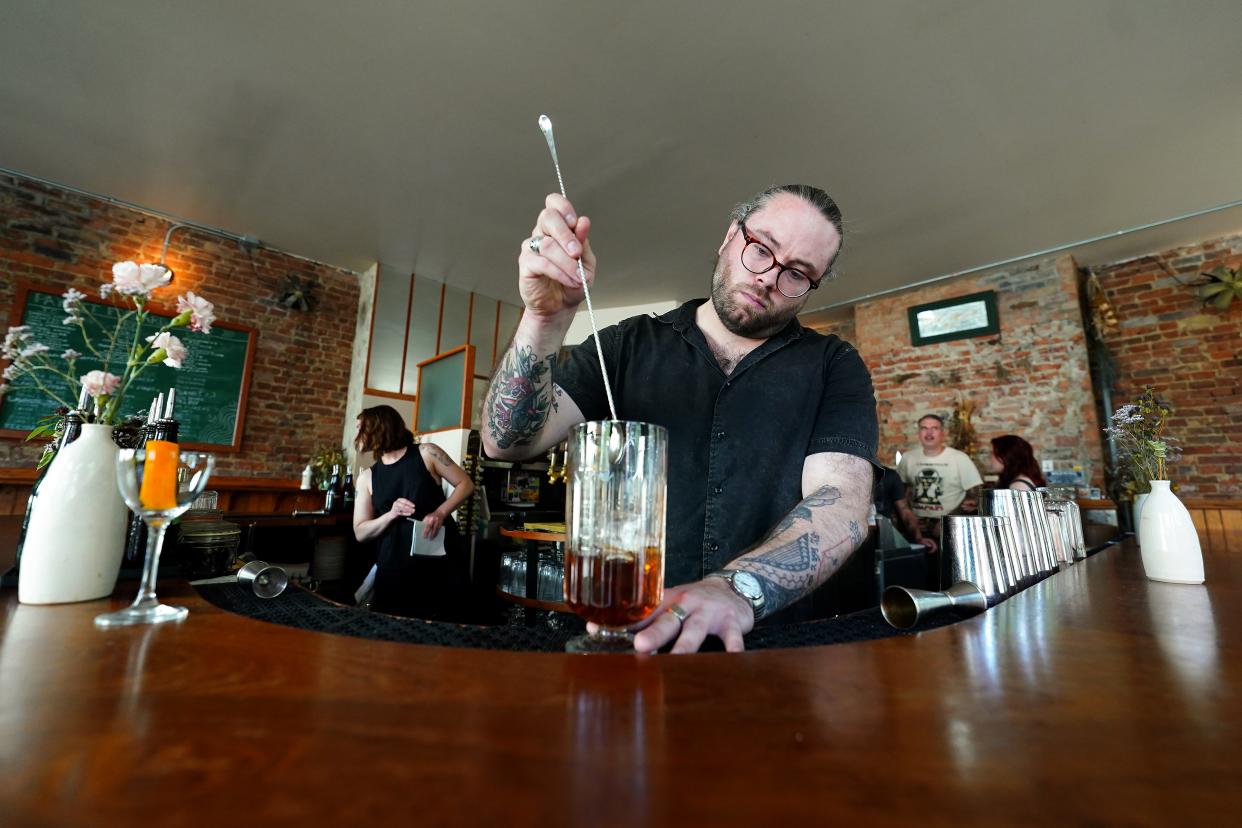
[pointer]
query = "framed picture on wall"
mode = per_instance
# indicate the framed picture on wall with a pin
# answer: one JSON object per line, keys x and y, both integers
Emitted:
{"x": 958, "y": 318}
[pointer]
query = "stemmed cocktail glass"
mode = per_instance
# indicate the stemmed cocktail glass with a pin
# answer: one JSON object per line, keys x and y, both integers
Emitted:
{"x": 158, "y": 483}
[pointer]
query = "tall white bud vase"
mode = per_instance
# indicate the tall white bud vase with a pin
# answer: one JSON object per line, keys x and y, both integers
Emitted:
{"x": 1168, "y": 540}
{"x": 1137, "y": 511}
{"x": 76, "y": 537}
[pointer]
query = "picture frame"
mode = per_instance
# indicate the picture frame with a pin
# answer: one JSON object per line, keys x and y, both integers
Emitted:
{"x": 961, "y": 317}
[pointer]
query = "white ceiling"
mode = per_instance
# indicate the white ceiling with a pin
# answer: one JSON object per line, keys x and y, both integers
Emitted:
{"x": 953, "y": 133}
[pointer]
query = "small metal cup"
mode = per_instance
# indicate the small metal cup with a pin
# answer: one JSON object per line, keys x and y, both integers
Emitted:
{"x": 266, "y": 580}
{"x": 904, "y": 607}
{"x": 1020, "y": 566}
{"x": 1062, "y": 535}
{"x": 1063, "y": 498}
{"x": 971, "y": 551}
{"x": 1026, "y": 510}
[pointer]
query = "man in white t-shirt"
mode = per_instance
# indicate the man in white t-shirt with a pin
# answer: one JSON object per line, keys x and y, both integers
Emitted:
{"x": 940, "y": 480}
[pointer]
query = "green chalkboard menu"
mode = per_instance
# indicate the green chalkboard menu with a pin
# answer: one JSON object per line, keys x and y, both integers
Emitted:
{"x": 211, "y": 384}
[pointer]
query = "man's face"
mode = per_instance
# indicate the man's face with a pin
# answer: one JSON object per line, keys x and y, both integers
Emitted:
{"x": 931, "y": 433}
{"x": 799, "y": 236}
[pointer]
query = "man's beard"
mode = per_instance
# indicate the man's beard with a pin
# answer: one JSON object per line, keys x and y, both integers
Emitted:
{"x": 739, "y": 316}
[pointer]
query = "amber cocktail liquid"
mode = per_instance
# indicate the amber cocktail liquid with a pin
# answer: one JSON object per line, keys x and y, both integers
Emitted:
{"x": 616, "y": 483}
{"x": 611, "y": 588}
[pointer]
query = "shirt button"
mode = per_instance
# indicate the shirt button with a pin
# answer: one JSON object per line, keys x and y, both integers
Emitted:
{"x": 717, "y": 489}
{"x": 713, "y": 547}
{"x": 720, "y": 435}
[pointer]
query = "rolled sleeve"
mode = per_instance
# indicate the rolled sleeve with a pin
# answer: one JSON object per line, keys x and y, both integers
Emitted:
{"x": 846, "y": 421}
{"x": 579, "y": 375}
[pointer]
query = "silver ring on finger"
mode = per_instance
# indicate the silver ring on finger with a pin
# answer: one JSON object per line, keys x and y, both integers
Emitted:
{"x": 678, "y": 612}
{"x": 534, "y": 243}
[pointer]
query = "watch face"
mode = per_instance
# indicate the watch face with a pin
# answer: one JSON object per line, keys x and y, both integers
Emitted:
{"x": 748, "y": 585}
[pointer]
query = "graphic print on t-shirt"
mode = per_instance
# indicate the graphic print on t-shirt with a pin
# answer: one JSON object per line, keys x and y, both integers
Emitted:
{"x": 928, "y": 488}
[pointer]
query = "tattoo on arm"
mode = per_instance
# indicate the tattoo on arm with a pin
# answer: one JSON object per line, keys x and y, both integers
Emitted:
{"x": 789, "y": 567}
{"x": 521, "y": 397}
{"x": 438, "y": 454}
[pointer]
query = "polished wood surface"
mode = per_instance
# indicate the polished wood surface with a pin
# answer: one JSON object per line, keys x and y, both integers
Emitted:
{"x": 1095, "y": 697}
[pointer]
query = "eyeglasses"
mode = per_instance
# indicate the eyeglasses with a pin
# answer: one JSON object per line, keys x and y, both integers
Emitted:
{"x": 758, "y": 258}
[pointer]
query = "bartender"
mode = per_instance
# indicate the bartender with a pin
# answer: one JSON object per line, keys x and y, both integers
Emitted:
{"x": 772, "y": 427}
{"x": 402, "y": 494}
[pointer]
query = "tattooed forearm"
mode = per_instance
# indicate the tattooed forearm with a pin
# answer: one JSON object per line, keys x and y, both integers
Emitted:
{"x": 520, "y": 398}
{"x": 809, "y": 543}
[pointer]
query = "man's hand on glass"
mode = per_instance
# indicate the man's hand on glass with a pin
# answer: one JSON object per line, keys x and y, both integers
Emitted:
{"x": 690, "y": 613}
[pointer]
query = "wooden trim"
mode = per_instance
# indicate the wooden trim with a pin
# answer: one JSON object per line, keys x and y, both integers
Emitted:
{"x": 394, "y": 395}
{"x": 532, "y": 534}
{"x": 19, "y": 476}
{"x": 469, "y": 315}
{"x": 1209, "y": 503}
{"x": 495, "y": 341}
{"x": 271, "y": 484}
{"x": 366, "y": 373}
{"x": 439, "y": 325}
{"x": 405, "y": 341}
{"x": 467, "y": 386}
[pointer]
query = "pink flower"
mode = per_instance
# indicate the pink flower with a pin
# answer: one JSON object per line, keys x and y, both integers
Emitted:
{"x": 174, "y": 352}
{"x": 202, "y": 312}
{"x": 139, "y": 280}
{"x": 100, "y": 384}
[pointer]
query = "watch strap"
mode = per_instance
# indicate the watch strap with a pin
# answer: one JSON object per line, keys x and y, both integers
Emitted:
{"x": 756, "y": 603}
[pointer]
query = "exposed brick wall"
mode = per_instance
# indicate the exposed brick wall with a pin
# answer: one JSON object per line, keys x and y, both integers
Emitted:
{"x": 841, "y": 326}
{"x": 1192, "y": 355}
{"x": 300, "y": 378}
{"x": 1032, "y": 379}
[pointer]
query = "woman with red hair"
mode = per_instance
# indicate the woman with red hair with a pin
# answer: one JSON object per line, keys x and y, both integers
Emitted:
{"x": 1014, "y": 460}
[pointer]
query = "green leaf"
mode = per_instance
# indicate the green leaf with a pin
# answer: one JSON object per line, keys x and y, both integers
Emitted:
{"x": 1213, "y": 289}
{"x": 1223, "y": 300}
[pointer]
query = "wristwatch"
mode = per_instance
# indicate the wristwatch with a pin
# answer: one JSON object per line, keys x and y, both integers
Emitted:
{"x": 745, "y": 585}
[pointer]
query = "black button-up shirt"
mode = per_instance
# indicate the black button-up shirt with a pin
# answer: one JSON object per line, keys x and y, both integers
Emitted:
{"x": 737, "y": 442}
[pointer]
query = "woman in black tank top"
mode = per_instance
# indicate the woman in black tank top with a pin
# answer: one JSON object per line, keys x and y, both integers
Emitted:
{"x": 403, "y": 486}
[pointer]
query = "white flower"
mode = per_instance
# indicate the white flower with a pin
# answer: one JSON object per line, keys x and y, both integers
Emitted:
{"x": 13, "y": 371}
{"x": 70, "y": 355}
{"x": 202, "y": 312}
{"x": 105, "y": 290}
{"x": 99, "y": 384}
{"x": 134, "y": 279}
{"x": 14, "y": 341}
{"x": 33, "y": 350}
{"x": 73, "y": 301}
{"x": 174, "y": 351}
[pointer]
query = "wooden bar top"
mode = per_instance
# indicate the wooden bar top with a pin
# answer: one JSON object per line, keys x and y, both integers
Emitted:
{"x": 1094, "y": 697}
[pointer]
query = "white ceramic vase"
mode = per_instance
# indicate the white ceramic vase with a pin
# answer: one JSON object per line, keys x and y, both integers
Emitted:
{"x": 76, "y": 537}
{"x": 1136, "y": 511}
{"x": 1168, "y": 540}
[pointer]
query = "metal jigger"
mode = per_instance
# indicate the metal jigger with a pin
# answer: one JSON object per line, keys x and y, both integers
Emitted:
{"x": 971, "y": 551}
{"x": 266, "y": 580}
{"x": 904, "y": 607}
